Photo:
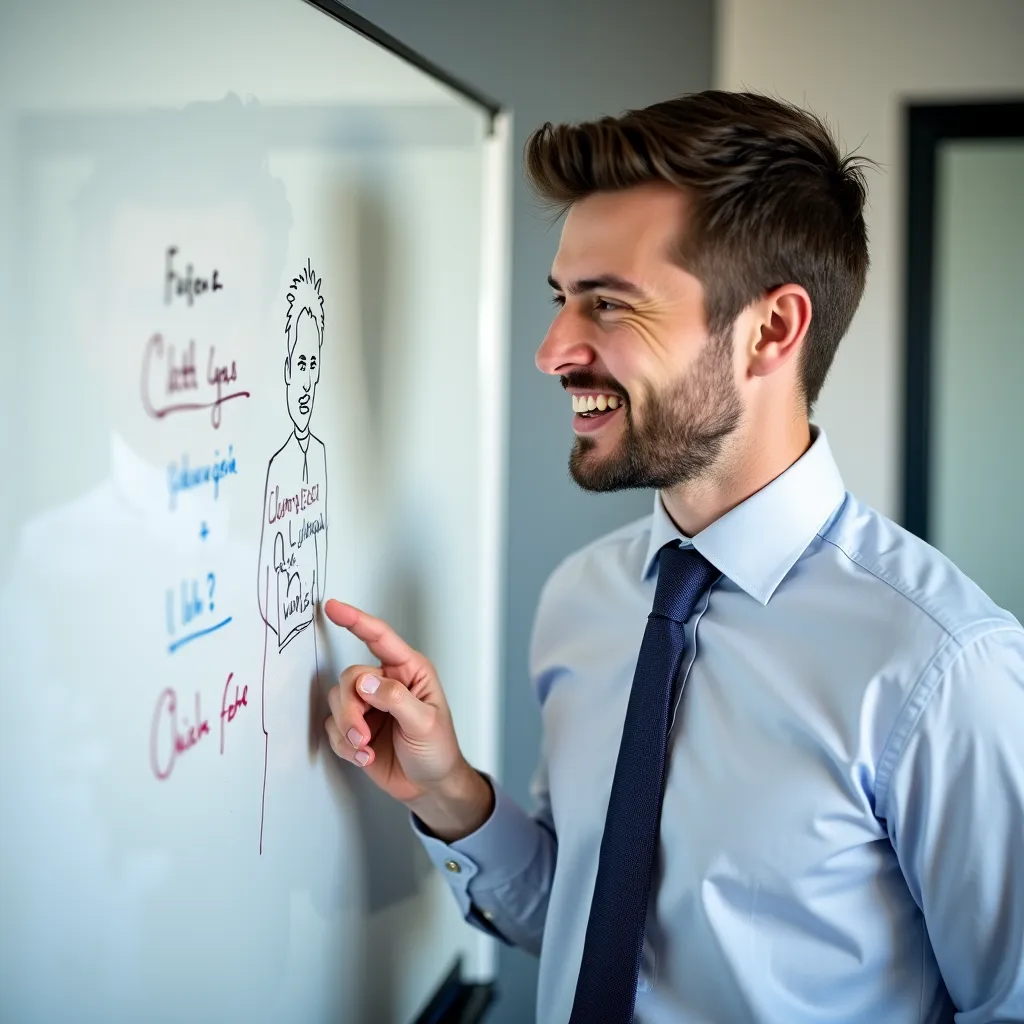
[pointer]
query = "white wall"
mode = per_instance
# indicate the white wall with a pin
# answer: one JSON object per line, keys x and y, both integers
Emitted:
{"x": 857, "y": 64}
{"x": 979, "y": 364}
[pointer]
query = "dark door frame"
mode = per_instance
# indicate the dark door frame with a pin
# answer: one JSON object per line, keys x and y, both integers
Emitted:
{"x": 927, "y": 125}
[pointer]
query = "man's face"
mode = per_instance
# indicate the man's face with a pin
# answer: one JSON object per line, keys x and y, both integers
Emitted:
{"x": 630, "y": 333}
{"x": 302, "y": 371}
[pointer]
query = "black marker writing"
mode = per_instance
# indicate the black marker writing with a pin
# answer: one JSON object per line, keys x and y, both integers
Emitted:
{"x": 190, "y": 285}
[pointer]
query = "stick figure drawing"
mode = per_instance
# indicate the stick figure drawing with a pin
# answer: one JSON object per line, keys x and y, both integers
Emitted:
{"x": 293, "y": 540}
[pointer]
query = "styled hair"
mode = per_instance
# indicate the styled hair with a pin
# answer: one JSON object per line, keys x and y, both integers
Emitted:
{"x": 304, "y": 297}
{"x": 771, "y": 201}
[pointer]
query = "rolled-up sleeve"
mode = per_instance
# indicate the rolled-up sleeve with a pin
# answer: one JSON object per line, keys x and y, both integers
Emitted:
{"x": 955, "y": 812}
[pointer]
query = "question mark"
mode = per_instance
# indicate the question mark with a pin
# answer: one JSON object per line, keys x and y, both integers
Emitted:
{"x": 211, "y": 582}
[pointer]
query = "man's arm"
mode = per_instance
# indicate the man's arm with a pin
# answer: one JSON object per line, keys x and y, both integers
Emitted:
{"x": 501, "y": 873}
{"x": 499, "y": 861}
{"x": 955, "y": 811}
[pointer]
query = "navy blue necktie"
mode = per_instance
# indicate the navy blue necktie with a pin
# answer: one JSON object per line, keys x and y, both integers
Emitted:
{"x": 606, "y": 987}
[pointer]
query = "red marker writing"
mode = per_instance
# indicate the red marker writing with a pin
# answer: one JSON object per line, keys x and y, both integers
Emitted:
{"x": 166, "y": 740}
{"x": 228, "y": 711}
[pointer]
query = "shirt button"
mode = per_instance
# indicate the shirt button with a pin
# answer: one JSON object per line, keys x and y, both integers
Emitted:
{"x": 452, "y": 866}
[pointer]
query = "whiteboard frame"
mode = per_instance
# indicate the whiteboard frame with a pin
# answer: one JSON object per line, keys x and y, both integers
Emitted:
{"x": 340, "y": 12}
{"x": 492, "y": 411}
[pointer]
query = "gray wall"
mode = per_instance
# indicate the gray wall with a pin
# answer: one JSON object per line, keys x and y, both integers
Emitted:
{"x": 556, "y": 61}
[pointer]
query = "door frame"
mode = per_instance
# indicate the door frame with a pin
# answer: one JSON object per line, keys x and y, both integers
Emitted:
{"x": 926, "y": 125}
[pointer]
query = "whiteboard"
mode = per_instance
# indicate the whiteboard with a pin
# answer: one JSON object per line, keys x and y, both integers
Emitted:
{"x": 253, "y": 272}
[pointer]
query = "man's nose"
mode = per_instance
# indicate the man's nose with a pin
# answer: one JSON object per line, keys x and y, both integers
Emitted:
{"x": 565, "y": 346}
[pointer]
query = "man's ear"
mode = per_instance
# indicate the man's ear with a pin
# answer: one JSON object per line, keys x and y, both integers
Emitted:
{"x": 785, "y": 316}
{"x": 287, "y": 369}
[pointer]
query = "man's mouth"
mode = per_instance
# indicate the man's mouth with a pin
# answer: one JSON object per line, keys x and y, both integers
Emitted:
{"x": 304, "y": 404}
{"x": 594, "y": 408}
{"x": 588, "y": 405}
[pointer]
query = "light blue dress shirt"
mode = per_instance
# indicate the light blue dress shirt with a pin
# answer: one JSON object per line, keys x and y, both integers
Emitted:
{"x": 842, "y": 838}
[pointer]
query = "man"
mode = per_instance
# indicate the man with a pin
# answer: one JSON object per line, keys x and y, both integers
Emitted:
{"x": 293, "y": 539}
{"x": 811, "y": 757}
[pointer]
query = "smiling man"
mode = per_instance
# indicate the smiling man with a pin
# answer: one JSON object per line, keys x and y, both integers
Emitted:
{"x": 783, "y": 760}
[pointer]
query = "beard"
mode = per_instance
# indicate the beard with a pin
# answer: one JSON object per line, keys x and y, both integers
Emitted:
{"x": 682, "y": 434}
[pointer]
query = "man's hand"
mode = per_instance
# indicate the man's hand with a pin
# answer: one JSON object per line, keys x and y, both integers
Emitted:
{"x": 394, "y": 722}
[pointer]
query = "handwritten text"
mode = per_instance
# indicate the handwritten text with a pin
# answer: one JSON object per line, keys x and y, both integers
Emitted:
{"x": 164, "y": 374}
{"x": 190, "y": 285}
{"x": 183, "y": 477}
{"x": 171, "y": 736}
{"x": 278, "y": 507}
{"x": 309, "y": 528}
{"x": 228, "y": 711}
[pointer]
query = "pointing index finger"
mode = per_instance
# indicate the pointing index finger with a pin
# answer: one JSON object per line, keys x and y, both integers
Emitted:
{"x": 379, "y": 637}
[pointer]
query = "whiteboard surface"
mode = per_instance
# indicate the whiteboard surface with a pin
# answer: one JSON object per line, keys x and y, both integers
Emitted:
{"x": 197, "y": 455}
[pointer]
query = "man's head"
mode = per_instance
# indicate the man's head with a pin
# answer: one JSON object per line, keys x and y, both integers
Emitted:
{"x": 701, "y": 234}
{"x": 304, "y": 329}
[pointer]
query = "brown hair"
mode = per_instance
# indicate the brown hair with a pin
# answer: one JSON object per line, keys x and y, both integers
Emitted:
{"x": 772, "y": 201}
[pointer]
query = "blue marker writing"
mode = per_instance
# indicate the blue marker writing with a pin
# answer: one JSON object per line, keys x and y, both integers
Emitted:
{"x": 183, "y": 477}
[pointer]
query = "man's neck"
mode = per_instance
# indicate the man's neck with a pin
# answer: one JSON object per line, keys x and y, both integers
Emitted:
{"x": 750, "y": 464}
{"x": 302, "y": 436}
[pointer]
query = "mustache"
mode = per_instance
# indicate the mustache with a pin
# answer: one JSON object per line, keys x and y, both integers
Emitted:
{"x": 590, "y": 381}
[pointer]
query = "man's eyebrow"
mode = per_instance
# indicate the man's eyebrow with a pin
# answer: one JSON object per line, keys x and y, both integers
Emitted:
{"x": 592, "y": 284}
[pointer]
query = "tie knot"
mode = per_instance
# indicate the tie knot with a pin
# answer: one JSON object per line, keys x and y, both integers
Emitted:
{"x": 683, "y": 575}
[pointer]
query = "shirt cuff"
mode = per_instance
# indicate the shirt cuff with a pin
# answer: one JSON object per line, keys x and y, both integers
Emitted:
{"x": 504, "y": 846}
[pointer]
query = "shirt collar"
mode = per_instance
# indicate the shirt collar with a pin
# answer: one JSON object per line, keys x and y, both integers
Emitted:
{"x": 760, "y": 540}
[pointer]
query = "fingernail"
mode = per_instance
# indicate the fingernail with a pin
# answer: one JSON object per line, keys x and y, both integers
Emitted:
{"x": 369, "y": 684}
{"x": 362, "y": 757}
{"x": 355, "y": 737}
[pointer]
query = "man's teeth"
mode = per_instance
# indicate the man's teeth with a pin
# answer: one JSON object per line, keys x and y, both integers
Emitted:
{"x": 588, "y": 403}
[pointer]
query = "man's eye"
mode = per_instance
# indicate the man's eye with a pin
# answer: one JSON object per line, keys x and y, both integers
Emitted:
{"x": 600, "y": 305}
{"x": 312, "y": 363}
{"x": 302, "y": 364}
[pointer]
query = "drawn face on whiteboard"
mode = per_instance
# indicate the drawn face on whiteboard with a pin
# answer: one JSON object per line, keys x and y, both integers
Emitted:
{"x": 302, "y": 371}
{"x": 304, "y": 327}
